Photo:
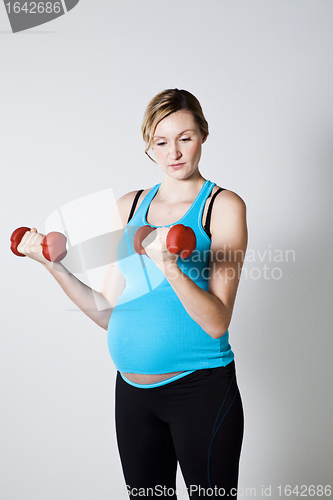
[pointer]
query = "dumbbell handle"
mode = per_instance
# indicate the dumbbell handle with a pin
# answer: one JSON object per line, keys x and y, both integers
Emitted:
{"x": 54, "y": 244}
{"x": 180, "y": 240}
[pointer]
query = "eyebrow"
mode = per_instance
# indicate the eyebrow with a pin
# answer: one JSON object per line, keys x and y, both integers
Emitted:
{"x": 160, "y": 137}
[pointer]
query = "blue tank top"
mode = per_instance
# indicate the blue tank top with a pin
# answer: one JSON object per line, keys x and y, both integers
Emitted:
{"x": 149, "y": 331}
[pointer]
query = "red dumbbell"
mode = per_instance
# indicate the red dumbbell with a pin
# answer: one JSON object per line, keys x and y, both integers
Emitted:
{"x": 54, "y": 244}
{"x": 139, "y": 236}
{"x": 180, "y": 240}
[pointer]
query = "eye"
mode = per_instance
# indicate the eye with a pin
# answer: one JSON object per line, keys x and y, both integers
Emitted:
{"x": 160, "y": 143}
{"x": 186, "y": 139}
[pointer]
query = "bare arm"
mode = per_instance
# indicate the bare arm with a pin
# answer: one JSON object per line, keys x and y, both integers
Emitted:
{"x": 98, "y": 306}
{"x": 211, "y": 309}
{"x": 91, "y": 302}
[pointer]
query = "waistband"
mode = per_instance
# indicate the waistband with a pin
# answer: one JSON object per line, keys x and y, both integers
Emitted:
{"x": 156, "y": 384}
{"x": 177, "y": 377}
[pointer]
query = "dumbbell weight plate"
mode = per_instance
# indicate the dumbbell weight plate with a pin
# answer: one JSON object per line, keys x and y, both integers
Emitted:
{"x": 139, "y": 236}
{"x": 16, "y": 238}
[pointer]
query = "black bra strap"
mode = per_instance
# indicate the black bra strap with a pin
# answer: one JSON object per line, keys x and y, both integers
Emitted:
{"x": 135, "y": 201}
{"x": 209, "y": 212}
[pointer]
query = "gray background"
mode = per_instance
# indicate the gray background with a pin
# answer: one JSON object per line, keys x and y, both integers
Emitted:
{"x": 73, "y": 93}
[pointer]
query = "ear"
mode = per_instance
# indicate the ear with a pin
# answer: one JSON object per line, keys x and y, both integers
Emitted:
{"x": 204, "y": 138}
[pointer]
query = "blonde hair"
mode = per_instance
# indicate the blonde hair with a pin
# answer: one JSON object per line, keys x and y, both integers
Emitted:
{"x": 167, "y": 102}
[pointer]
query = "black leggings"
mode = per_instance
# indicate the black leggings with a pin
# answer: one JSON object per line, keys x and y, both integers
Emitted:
{"x": 196, "y": 420}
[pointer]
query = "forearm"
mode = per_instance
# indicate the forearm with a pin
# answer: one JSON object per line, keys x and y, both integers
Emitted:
{"x": 204, "y": 308}
{"x": 91, "y": 302}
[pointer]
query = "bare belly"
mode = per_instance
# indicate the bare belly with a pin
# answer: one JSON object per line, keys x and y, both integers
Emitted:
{"x": 139, "y": 378}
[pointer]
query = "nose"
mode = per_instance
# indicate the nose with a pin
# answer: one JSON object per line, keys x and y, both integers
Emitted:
{"x": 174, "y": 151}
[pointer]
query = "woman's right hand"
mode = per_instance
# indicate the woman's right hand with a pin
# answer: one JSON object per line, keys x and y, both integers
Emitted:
{"x": 31, "y": 246}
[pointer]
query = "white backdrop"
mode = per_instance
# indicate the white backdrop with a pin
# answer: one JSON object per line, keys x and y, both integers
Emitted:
{"x": 73, "y": 93}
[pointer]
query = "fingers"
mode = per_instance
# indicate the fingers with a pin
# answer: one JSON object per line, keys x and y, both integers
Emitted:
{"x": 31, "y": 245}
{"x": 155, "y": 243}
{"x": 21, "y": 245}
{"x": 155, "y": 239}
{"x": 162, "y": 235}
{"x": 162, "y": 232}
{"x": 149, "y": 239}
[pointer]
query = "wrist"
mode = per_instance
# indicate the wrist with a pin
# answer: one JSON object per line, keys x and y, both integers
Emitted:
{"x": 171, "y": 269}
{"x": 54, "y": 267}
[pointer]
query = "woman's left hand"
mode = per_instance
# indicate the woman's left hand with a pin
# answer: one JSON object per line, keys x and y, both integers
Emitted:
{"x": 157, "y": 249}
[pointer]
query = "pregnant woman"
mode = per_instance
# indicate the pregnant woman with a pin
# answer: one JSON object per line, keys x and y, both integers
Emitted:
{"x": 167, "y": 317}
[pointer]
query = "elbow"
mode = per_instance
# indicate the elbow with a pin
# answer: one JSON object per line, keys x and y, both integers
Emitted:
{"x": 104, "y": 319}
{"x": 218, "y": 333}
{"x": 219, "y": 322}
{"x": 219, "y": 330}
{"x": 102, "y": 324}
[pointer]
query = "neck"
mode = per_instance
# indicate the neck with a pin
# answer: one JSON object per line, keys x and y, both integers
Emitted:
{"x": 175, "y": 191}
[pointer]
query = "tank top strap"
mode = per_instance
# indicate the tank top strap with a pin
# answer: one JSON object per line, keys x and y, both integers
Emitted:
{"x": 194, "y": 214}
{"x": 139, "y": 216}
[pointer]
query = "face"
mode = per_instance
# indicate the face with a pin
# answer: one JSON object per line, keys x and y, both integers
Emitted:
{"x": 177, "y": 144}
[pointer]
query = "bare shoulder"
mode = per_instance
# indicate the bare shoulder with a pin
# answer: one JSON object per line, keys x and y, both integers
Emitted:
{"x": 229, "y": 200}
{"x": 228, "y": 223}
{"x": 125, "y": 202}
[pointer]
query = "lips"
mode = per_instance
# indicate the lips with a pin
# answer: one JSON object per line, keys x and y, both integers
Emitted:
{"x": 177, "y": 165}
